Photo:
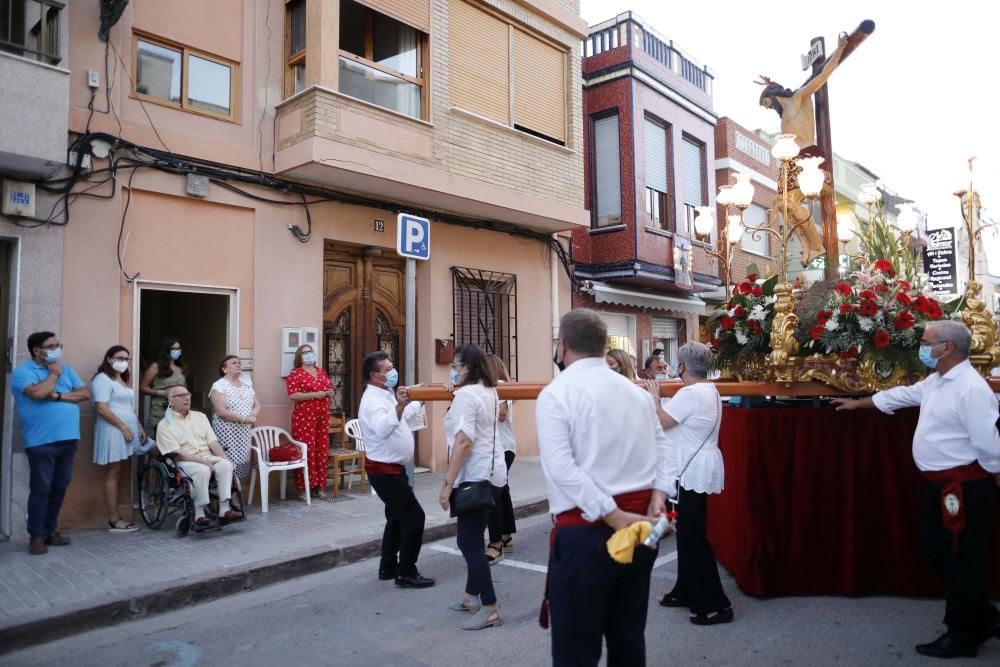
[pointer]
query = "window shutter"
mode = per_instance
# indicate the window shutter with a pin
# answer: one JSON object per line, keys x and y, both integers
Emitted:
{"x": 755, "y": 216}
{"x": 478, "y": 62}
{"x": 664, "y": 328}
{"x": 539, "y": 86}
{"x": 607, "y": 167}
{"x": 656, "y": 155}
{"x": 416, "y": 13}
{"x": 617, "y": 324}
{"x": 692, "y": 161}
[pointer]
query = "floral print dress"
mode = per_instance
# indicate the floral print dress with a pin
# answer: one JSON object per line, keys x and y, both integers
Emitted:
{"x": 311, "y": 424}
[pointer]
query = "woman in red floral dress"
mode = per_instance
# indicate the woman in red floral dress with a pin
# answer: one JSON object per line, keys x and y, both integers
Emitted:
{"x": 311, "y": 390}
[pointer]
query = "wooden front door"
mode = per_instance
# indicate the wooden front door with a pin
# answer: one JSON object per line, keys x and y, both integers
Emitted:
{"x": 363, "y": 311}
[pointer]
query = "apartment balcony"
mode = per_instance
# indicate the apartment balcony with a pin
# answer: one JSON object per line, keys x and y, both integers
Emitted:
{"x": 368, "y": 140}
{"x": 34, "y": 105}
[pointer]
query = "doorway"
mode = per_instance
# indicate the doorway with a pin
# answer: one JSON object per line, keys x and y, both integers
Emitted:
{"x": 364, "y": 308}
{"x": 202, "y": 319}
{"x": 6, "y": 434}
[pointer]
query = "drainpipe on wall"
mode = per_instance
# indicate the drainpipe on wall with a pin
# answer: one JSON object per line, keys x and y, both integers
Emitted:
{"x": 554, "y": 271}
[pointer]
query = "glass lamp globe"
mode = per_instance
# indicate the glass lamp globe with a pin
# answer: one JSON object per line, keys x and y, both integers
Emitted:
{"x": 785, "y": 147}
{"x": 869, "y": 194}
{"x": 734, "y": 228}
{"x": 907, "y": 219}
{"x": 845, "y": 227}
{"x": 742, "y": 191}
{"x": 704, "y": 220}
{"x": 725, "y": 196}
{"x": 811, "y": 177}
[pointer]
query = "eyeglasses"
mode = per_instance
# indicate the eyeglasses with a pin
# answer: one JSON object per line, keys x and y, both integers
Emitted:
{"x": 180, "y": 396}
{"x": 121, "y": 359}
{"x": 52, "y": 348}
{"x": 455, "y": 367}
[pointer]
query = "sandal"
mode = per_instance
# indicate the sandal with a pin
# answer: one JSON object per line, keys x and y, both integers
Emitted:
{"x": 508, "y": 544}
{"x": 494, "y": 554}
{"x": 713, "y": 617}
{"x": 484, "y": 618}
{"x": 116, "y": 527}
{"x": 321, "y": 494}
{"x": 671, "y": 600}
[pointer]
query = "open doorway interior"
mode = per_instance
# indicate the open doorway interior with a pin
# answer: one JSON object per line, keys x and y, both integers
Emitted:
{"x": 200, "y": 321}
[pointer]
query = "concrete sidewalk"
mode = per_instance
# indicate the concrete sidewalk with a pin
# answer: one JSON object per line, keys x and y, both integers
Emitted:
{"x": 104, "y": 578}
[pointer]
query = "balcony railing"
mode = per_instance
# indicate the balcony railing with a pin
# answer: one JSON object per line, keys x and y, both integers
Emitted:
{"x": 30, "y": 28}
{"x": 604, "y": 40}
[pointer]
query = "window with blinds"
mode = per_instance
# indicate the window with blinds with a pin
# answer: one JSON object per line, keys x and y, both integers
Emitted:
{"x": 416, "y": 13}
{"x": 505, "y": 73}
{"x": 655, "y": 145}
{"x": 755, "y": 216}
{"x": 693, "y": 177}
{"x": 606, "y": 164}
{"x": 478, "y": 62}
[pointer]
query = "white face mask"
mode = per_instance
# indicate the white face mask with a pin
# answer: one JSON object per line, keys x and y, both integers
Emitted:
{"x": 309, "y": 358}
{"x": 120, "y": 366}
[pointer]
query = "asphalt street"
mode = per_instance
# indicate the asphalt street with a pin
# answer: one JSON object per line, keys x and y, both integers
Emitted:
{"x": 347, "y": 617}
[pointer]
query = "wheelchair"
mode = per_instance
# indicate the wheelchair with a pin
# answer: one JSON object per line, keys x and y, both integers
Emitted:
{"x": 165, "y": 489}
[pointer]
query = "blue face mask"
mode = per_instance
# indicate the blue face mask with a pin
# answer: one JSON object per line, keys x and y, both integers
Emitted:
{"x": 662, "y": 377}
{"x": 926, "y": 356}
{"x": 53, "y": 356}
{"x": 309, "y": 358}
{"x": 391, "y": 378}
{"x": 175, "y": 354}
{"x": 453, "y": 376}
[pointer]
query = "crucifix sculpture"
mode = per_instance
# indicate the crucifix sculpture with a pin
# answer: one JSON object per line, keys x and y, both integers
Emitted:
{"x": 812, "y": 131}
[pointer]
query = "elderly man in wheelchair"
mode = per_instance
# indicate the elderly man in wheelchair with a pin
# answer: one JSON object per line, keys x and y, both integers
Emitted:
{"x": 188, "y": 436}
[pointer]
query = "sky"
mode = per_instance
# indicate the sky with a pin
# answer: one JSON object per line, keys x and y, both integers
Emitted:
{"x": 911, "y": 104}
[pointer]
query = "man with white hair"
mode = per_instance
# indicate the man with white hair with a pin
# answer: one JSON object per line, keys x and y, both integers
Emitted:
{"x": 189, "y": 437}
{"x": 957, "y": 448}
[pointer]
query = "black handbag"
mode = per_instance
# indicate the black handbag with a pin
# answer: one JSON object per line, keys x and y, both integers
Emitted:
{"x": 475, "y": 496}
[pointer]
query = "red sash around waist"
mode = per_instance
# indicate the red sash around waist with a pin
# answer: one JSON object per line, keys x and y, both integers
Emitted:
{"x": 379, "y": 468}
{"x": 636, "y": 502}
{"x": 967, "y": 473}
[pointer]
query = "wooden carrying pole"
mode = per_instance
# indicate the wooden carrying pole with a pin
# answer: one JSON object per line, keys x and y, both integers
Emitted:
{"x": 528, "y": 391}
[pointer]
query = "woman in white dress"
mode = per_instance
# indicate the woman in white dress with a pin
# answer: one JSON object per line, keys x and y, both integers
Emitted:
{"x": 117, "y": 433}
{"x": 235, "y": 407}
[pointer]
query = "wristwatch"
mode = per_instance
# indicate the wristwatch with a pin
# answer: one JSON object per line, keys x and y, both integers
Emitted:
{"x": 58, "y": 396}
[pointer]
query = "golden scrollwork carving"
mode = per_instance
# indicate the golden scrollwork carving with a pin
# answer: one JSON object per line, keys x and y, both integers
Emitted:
{"x": 853, "y": 375}
{"x": 751, "y": 368}
{"x": 784, "y": 345}
{"x": 985, "y": 352}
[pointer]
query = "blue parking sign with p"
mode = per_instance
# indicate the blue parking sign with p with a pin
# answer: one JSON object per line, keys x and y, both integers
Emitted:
{"x": 413, "y": 236}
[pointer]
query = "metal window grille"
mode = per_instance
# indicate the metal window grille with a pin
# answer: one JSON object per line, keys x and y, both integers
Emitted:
{"x": 484, "y": 308}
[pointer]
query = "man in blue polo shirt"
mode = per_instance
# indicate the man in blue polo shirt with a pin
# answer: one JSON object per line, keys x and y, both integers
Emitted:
{"x": 47, "y": 394}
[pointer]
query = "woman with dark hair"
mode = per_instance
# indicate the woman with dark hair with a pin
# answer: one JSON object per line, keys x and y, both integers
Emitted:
{"x": 502, "y": 526}
{"x": 474, "y": 455}
{"x": 235, "y": 408}
{"x": 117, "y": 434}
{"x": 166, "y": 372}
{"x": 311, "y": 390}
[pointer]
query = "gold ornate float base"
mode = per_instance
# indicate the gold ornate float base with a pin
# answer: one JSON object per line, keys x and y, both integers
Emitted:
{"x": 866, "y": 375}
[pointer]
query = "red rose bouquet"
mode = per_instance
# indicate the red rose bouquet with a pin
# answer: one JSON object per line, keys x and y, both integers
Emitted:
{"x": 872, "y": 312}
{"x": 743, "y": 325}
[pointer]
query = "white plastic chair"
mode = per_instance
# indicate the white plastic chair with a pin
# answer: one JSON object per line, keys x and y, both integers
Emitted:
{"x": 263, "y": 439}
{"x": 353, "y": 430}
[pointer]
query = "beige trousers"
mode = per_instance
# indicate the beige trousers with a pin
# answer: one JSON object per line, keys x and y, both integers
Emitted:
{"x": 200, "y": 475}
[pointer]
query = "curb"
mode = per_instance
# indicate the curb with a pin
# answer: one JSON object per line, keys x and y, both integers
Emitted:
{"x": 140, "y": 603}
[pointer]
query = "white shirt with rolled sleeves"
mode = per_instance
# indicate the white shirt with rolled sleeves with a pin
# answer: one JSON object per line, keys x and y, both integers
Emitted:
{"x": 599, "y": 436}
{"x": 474, "y": 411}
{"x": 388, "y": 439}
{"x": 958, "y": 415}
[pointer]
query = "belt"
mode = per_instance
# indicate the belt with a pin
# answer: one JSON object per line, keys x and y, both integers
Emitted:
{"x": 970, "y": 472}
{"x": 379, "y": 468}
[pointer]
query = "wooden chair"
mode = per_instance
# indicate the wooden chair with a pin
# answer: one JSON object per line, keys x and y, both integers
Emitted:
{"x": 336, "y": 427}
{"x": 356, "y": 463}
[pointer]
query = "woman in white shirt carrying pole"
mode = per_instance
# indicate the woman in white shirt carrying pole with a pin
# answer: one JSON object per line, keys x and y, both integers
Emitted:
{"x": 692, "y": 420}
{"x": 476, "y": 469}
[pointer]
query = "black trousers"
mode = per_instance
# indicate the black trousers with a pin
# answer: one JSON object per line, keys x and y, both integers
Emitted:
{"x": 698, "y": 582}
{"x": 967, "y": 609}
{"x": 404, "y": 524}
{"x": 502, "y": 517}
{"x": 470, "y": 526}
{"x": 593, "y": 599}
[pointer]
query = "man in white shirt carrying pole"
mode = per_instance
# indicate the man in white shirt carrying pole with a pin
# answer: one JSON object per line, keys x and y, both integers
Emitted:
{"x": 607, "y": 464}
{"x": 382, "y": 415}
{"x": 957, "y": 448}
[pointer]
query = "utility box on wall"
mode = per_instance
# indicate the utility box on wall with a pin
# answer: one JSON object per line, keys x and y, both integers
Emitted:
{"x": 18, "y": 199}
{"x": 291, "y": 339}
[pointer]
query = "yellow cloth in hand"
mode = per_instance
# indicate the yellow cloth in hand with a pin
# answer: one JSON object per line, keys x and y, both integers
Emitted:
{"x": 622, "y": 544}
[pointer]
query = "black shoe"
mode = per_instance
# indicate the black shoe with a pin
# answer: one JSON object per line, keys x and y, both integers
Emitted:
{"x": 414, "y": 581}
{"x": 713, "y": 617}
{"x": 949, "y": 645}
{"x": 386, "y": 575}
